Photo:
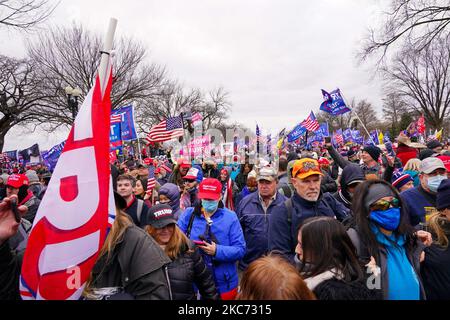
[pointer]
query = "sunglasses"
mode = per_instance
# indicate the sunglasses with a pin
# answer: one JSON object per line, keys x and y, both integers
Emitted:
{"x": 383, "y": 205}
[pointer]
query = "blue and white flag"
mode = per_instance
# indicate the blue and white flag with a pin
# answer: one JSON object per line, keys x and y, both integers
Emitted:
{"x": 347, "y": 134}
{"x": 127, "y": 127}
{"x": 357, "y": 137}
{"x": 296, "y": 133}
{"x": 334, "y": 103}
{"x": 51, "y": 157}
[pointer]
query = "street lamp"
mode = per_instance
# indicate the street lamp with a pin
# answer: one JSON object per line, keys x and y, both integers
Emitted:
{"x": 72, "y": 99}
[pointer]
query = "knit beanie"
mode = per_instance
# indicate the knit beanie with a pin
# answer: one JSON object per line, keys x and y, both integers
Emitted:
{"x": 32, "y": 176}
{"x": 399, "y": 179}
{"x": 443, "y": 195}
{"x": 373, "y": 151}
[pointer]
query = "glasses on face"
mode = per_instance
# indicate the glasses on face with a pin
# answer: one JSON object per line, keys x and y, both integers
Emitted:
{"x": 188, "y": 181}
{"x": 382, "y": 205}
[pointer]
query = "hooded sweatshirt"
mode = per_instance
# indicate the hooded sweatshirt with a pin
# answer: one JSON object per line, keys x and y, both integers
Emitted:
{"x": 172, "y": 192}
{"x": 351, "y": 173}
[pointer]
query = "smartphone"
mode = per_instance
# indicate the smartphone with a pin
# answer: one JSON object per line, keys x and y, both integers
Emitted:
{"x": 15, "y": 210}
{"x": 199, "y": 243}
{"x": 327, "y": 139}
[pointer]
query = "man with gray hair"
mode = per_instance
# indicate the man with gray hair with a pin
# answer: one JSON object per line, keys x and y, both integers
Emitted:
{"x": 253, "y": 213}
{"x": 421, "y": 200}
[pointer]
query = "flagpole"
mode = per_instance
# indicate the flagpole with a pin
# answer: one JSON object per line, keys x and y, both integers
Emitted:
{"x": 348, "y": 106}
{"x": 105, "y": 60}
{"x": 134, "y": 124}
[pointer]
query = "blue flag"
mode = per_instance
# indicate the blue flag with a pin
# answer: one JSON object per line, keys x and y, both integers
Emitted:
{"x": 357, "y": 137}
{"x": 128, "y": 130}
{"x": 347, "y": 134}
{"x": 334, "y": 103}
{"x": 51, "y": 157}
{"x": 320, "y": 134}
{"x": 374, "y": 136}
{"x": 115, "y": 136}
{"x": 296, "y": 133}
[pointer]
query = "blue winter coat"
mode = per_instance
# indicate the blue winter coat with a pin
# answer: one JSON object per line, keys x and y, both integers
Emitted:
{"x": 230, "y": 243}
{"x": 283, "y": 236}
{"x": 255, "y": 225}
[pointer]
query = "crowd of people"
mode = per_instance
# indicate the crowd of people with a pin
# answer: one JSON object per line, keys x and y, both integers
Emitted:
{"x": 347, "y": 223}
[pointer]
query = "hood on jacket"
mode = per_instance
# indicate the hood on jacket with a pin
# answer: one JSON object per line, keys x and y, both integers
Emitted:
{"x": 172, "y": 192}
{"x": 351, "y": 173}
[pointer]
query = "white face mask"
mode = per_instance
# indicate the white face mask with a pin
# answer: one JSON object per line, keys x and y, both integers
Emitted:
{"x": 433, "y": 183}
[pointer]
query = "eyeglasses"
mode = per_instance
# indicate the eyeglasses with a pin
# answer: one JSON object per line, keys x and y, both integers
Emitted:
{"x": 383, "y": 205}
{"x": 188, "y": 181}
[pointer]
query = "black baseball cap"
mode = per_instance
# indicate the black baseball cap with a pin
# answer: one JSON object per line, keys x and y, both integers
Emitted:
{"x": 160, "y": 216}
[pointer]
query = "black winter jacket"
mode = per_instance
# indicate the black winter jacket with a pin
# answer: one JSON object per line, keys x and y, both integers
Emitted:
{"x": 10, "y": 266}
{"x": 137, "y": 264}
{"x": 189, "y": 269}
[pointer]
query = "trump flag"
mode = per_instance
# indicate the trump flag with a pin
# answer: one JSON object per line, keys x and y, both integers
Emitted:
{"x": 72, "y": 221}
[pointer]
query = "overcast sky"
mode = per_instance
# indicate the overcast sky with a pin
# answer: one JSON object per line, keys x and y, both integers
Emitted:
{"x": 272, "y": 56}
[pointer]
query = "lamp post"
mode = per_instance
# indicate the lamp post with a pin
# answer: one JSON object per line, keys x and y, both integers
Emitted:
{"x": 72, "y": 99}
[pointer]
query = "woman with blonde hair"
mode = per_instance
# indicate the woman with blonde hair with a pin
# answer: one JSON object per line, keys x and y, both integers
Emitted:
{"x": 435, "y": 269}
{"x": 412, "y": 167}
{"x": 130, "y": 265}
{"x": 273, "y": 278}
{"x": 187, "y": 267}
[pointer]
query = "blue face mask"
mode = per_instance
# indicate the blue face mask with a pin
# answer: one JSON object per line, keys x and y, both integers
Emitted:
{"x": 433, "y": 183}
{"x": 388, "y": 219}
{"x": 210, "y": 206}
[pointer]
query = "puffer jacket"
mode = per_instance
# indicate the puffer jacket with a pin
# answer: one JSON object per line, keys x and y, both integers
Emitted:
{"x": 229, "y": 240}
{"x": 255, "y": 225}
{"x": 137, "y": 264}
{"x": 283, "y": 235}
{"x": 189, "y": 269}
{"x": 328, "y": 184}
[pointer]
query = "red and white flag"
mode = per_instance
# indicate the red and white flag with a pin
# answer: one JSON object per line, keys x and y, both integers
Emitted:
{"x": 73, "y": 218}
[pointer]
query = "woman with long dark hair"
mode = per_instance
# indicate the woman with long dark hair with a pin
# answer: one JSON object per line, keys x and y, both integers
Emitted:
{"x": 383, "y": 236}
{"x": 328, "y": 261}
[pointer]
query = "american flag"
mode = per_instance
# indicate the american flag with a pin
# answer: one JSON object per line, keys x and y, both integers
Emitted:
{"x": 151, "y": 181}
{"x": 338, "y": 138}
{"x": 311, "y": 123}
{"x": 116, "y": 118}
{"x": 166, "y": 130}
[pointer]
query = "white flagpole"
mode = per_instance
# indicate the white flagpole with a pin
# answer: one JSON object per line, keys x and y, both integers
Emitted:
{"x": 356, "y": 114}
{"x": 103, "y": 69}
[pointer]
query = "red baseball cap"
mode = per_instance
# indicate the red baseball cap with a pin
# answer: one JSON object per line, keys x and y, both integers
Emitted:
{"x": 183, "y": 163}
{"x": 324, "y": 161}
{"x": 210, "y": 188}
{"x": 17, "y": 180}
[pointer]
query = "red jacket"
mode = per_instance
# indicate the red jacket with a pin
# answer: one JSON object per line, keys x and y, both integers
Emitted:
{"x": 405, "y": 153}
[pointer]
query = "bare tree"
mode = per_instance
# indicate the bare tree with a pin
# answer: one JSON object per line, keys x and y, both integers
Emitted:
{"x": 70, "y": 56}
{"x": 367, "y": 114}
{"x": 25, "y": 14}
{"x": 393, "y": 109}
{"x": 170, "y": 101}
{"x": 19, "y": 96}
{"x": 215, "y": 109}
{"x": 422, "y": 80}
{"x": 419, "y": 21}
